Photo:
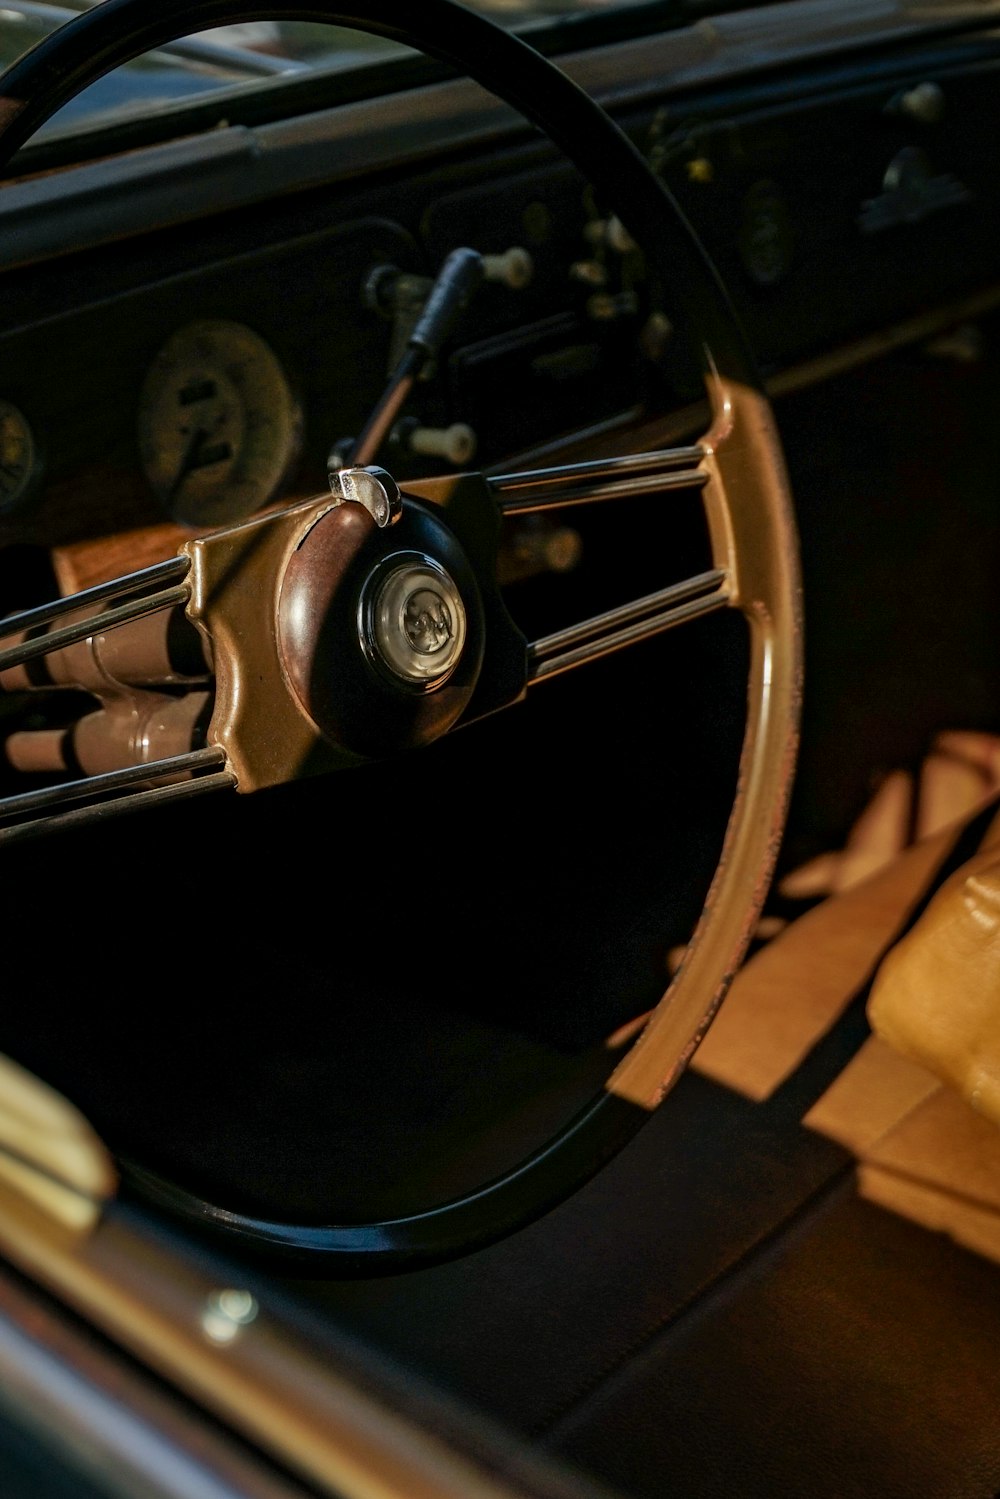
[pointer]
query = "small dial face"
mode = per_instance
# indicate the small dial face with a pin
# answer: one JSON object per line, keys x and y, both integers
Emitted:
{"x": 18, "y": 457}
{"x": 219, "y": 428}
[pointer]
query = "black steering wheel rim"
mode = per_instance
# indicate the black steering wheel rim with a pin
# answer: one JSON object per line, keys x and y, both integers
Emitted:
{"x": 117, "y": 31}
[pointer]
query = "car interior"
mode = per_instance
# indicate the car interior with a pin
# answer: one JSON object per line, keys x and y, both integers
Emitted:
{"x": 500, "y": 717}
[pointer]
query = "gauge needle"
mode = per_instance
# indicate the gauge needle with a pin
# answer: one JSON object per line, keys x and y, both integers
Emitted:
{"x": 189, "y": 461}
{"x": 198, "y": 455}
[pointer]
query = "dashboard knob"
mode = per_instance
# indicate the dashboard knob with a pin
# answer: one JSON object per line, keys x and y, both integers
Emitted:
{"x": 513, "y": 269}
{"x": 610, "y": 232}
{"x": 589, "y": 272}
{"x": 607, "y": 307}
{"x": 455, "y": 444}
{"x": 924, "y": 103}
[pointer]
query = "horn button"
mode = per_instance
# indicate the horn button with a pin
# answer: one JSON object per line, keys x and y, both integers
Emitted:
{"x": 380, "y": 628}
{"x": 412, "y": 620}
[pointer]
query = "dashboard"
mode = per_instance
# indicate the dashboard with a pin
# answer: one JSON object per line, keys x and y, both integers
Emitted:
{"x": 175, "y": 378}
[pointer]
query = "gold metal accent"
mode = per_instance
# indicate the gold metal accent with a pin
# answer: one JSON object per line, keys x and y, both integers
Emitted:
{"x": 752, "y": 531}
{"x": 235, "y": 585}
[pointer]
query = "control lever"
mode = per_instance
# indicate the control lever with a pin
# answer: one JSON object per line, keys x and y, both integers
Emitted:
{"x": 456, "y": 284}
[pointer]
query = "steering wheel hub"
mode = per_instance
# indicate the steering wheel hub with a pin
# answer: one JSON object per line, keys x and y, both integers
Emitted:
{"x": 381, "y": 631}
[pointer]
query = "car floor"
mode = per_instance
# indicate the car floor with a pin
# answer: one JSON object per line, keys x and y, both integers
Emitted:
{"x": 788, "y": 1283}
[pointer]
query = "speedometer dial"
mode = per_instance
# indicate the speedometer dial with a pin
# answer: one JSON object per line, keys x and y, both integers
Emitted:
{"x": 219, "y": 426}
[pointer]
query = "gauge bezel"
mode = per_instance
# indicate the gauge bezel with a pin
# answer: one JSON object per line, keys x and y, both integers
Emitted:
{"x": 256, "y": 412}
{"x": 13, "y": 499}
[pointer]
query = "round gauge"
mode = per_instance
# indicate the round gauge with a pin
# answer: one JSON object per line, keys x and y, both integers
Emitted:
{"x": 18, "y": 456}
{"x": 219, "y": 427}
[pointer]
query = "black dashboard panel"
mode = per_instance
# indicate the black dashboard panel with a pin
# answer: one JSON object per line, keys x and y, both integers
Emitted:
{"x": 833, "y": 217}
{"x": 819, "y": 246}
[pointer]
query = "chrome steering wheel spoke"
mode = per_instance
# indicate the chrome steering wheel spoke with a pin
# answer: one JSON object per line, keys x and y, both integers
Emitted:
{"x": 602, "y": 634}
{"x": 633, "y": 476}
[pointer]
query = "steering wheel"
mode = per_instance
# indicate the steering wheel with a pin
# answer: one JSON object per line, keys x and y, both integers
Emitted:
{"x": 369, "y": 622}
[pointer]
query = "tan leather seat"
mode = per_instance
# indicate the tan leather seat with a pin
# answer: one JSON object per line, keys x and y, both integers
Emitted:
{"x": 936, "y": 998}
{"x": 921, "y": 1151}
